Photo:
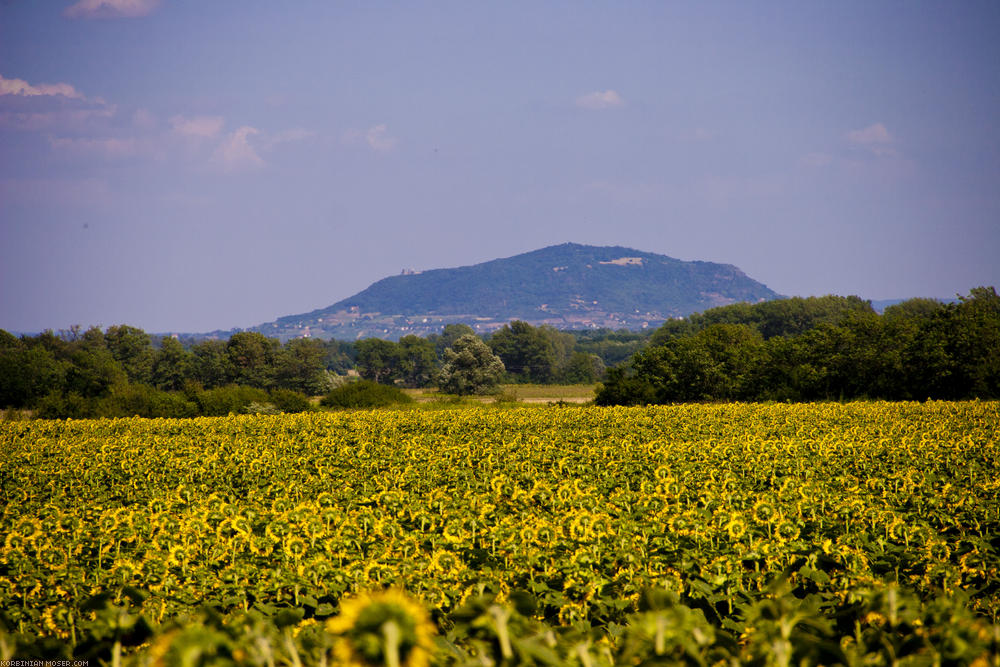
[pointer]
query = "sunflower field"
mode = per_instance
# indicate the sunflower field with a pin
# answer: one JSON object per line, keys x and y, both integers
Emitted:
{"x": 860, "y": 534}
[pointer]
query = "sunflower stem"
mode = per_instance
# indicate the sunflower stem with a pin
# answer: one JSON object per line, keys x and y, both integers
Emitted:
{"x": 500, "y": 616}
{"x": 390, "y": 632}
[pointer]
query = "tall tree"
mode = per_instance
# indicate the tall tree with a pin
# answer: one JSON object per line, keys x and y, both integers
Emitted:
{"x": 212, "y": 365}
{"x": 378, "y": 360}
{"x": 172, "y": 365}
{"x": 300, "y": 365}
{"x": 253, "y": 355}
{"x": 527, "y": 353}
{"x": 470, "y": 368}
{"x": 417, "y": 361}
{"x": 130, "y": 346}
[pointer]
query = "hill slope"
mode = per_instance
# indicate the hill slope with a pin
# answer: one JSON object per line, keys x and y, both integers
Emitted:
{"x": 568, "y": 286}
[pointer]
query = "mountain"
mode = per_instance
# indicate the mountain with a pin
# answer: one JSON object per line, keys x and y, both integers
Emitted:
{"x": 567, "y": 286}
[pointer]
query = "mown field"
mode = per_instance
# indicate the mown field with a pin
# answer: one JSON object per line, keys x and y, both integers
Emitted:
{"x": 860, "y": 533}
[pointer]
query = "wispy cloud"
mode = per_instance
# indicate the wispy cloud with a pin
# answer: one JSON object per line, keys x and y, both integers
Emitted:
{"x": 106, "y": 9}
{"x": 289, "y": 136}
{"x": 875, "y": 138}
{"x": 25, "y": 89}
{"x": 41, "y": 106}
{"x": 607, "y": 99}
{"x": 379, "y": 139}
{"x": 204, "y": 127}
{"x": 236, "y": 153}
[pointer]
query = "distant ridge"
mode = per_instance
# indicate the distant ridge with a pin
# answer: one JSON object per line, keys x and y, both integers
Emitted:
{"x": 568, "y": 286}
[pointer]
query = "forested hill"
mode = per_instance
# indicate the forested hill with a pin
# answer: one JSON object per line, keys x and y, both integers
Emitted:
{"x": 568, "y": 286}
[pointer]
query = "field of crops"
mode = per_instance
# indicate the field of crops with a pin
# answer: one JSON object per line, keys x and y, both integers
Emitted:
{"x": 861, "y": 533}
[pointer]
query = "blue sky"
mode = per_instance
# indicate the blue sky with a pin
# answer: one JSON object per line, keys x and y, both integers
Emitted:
{"x": 184, "y": 165}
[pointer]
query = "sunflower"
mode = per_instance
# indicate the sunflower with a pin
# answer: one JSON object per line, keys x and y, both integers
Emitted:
{"x": 736, "y": 527}
{"x": 29, "y": 527}
{"x": 545, "y": 534}
{"x": 15, "y": 542}
{"x": 601, "y": 526}
{"x": 126, "y": 570}
{"x": 787, "y": 529}
{"x": 294, "y": 547}
{"x": 179, "y": 555}
{"x": 52, "y": 557}
{"x": 381, "y": 628}
{"x": 446, "y": 562}
{"x": 763, "y": 511}
{"x": 454, "y": 532}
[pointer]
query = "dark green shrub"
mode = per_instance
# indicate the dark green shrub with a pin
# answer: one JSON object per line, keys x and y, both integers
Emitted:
{"x": 229, "y": 399}
{"x": 286, "y": 400}
{"x": 364, "y": 394}
{"x": 57, "y": 405}
{"x": 144, "y": 401}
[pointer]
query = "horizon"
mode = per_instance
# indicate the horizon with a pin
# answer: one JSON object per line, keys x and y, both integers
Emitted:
{"x": 877, "y": 305}
{"x": 183, "y": 167}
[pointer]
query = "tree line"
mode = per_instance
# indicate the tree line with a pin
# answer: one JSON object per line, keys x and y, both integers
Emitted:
{"x": 123, "y": 371}
{"x": 826, "y": 348}
{"x": 798, "y": 349}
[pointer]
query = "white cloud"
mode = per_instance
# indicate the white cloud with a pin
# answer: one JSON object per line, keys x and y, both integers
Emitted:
{"x": 103, "y": 9}
{"x": 607, "y": 99}
{"x": 289, "y": 136}
{"x": 871, "y": 135}
{"x": 875, "y": 138}
{"x": 39, "y": 106}
{"x": 204, "y": 127}
{"x": 379, "y": 139}
{"x": 25, "y": 89}
{"x": 236, "y": 153}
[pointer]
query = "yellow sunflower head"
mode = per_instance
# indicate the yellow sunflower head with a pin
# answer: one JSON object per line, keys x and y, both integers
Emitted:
{"x": 736, "y": 527}
{"x": 787, "y": 529}
{"x": 764, "y": 511}
{"x": 382, "y": 628}
{"x": 446, "y": 562}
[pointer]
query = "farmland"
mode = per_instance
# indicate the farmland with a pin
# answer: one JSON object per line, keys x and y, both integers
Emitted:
{"x": 821, "y": 533}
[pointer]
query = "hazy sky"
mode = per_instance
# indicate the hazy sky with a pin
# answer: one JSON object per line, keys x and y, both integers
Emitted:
{"x": 183, "y": 165}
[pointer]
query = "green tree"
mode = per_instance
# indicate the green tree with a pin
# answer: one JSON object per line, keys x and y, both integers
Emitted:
{"x": 172, "y": 365}
{"x": 527, "y": 352}
{"x": 300, "y": 365}
{"x": 417, "y": 361}
{"x": 252, "y": 356}
{"x": 212, "y": 365}
{"x": 27, "y": 372}
{"x": 973, "y": 326}
{"x": 378, "y": 360}
{"x": 470, "y": 368}
{"x": 448, "y": 336}
{"x": 93, "y": 370}
{"x": 131, "y": 348}
{"x": 583, "y": 368}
